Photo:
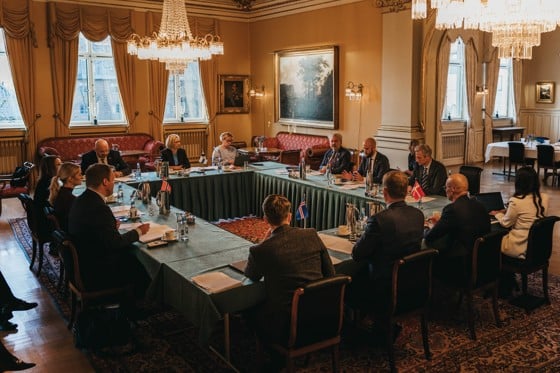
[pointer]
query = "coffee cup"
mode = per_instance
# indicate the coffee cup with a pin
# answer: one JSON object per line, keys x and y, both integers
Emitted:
{"x": 170, "y": 235}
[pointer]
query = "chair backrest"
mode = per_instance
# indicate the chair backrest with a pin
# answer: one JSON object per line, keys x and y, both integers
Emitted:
{"x": 69, "y": 256}
{"x": 411, "y": 284}
{"x": 51, "y": 219}
{"x": 545, "y": 155}
{"x": 29, "y": 207}
{"x": 486, "y": 258}
{"x": 539, "y": 244}
{"x": 472, "y": 173}
{"x": 317, "y": 311}
{"x": 516, "y": 152}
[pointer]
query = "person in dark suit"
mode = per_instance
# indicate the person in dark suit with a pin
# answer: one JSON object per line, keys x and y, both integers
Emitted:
{"x": 174, "y": 153}
{"x": 429, "y": 173}
{"x": 389, "y": 235}
{"x": 104, "y": 253}
{"x": 338, "y": 159}
{"x": 375, "y": 162}
{"x": 102, "y": 154}
{"x": 287, "y": 259}
{"x": 411, "y": 156}
{"x": 9, "y": 303}
{"x": 61, "y": 197}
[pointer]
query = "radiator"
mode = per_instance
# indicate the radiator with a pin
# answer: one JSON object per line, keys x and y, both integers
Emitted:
{"x": 194, "y": 141}
{"x": 453, "y": 146}
{"x": 11, "y": 154}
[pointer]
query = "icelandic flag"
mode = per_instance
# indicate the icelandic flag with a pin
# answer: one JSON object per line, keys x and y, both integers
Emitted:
{"x": 417, "y": 192}
{"x": 302, "y": 212}
{"x": 165, "y": 186}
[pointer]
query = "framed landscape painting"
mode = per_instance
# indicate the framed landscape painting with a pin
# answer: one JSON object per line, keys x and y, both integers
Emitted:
{"x": 306, "y": 87}
{"x": 545, "y": 92}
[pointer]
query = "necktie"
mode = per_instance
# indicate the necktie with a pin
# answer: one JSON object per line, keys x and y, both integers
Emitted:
{"x": 424, "y": 181}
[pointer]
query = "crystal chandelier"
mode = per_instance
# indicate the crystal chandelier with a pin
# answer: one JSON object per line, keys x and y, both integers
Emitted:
{"x": 174, "y": 44}
{"x": 516, "y": 25}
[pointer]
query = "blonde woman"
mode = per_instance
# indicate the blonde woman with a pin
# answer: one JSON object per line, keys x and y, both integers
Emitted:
{"x": 68, "y": 177}
{"x": 225, "y": 152}
{"x": 174, "y": 153}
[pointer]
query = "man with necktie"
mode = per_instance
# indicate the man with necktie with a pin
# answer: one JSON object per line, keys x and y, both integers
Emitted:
{"x": 102, "y": 154}
{"x": 373, "y": 161}
{"x": 430, "y": 174}
{"x": 337, "y": 158}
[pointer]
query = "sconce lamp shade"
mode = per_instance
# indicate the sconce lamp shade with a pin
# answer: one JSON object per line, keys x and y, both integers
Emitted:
{"x": 354, "y": 91}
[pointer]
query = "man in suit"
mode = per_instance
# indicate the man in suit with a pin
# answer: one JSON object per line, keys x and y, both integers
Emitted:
{"x": 338, "y": 159}
{"x": 389, "y": 235}
{"x": 102, "y": 154}
{"x": 461, "y": 223}
{"x": 373, "y": 161}
{"x": 287, "y": 259}
{"x": 104, "y": 253}
{"x": 429, "y": 173}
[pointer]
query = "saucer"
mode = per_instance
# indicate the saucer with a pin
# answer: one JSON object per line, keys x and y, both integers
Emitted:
{"x": 343, "y": 234}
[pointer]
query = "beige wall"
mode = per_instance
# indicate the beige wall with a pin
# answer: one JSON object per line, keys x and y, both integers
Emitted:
{"x": 356, "y": 29}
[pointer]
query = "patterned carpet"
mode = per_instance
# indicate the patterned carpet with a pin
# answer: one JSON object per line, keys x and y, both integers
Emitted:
{"x": 166, "y": 342}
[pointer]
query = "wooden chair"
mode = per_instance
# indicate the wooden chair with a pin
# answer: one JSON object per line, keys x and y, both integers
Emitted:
{"x": 483, "y": 275}
{"x": 539, "y": 249}
{"x": 38, "y": 236}
{"x": 517, "y": 156}
{"x": 54, "y": 225}
{"x": 316, "y": 321}
{"x": 411, "y": 291}
{"x": 545, "y": 160}
{"x": 79, "y": 293}
{"x": 472, "y": 173}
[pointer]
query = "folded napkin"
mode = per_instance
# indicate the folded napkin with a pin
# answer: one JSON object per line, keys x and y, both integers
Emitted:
{"x": 334, "y": 260}
{"x": 215, "y": 282}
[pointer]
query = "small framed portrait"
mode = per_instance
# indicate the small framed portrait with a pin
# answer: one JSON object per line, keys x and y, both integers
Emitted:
{"x": 545, "y": 92}
{"x": 234, "y": 91}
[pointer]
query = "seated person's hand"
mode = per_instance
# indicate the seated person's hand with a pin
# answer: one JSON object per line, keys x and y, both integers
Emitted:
{"x": 323, "y": 169}
{"x": 494, "y": 212}
{"x": 347, "y": 175}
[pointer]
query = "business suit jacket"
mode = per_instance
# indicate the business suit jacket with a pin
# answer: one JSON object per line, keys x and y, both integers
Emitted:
{"x": 183, "y": 160}
{"x": 380, "y": 167}
{"x": 100, "y": 246}
{"x": 461, "y": 223}
{"x": 389, "y": 235}
{"x": 437, "y": 175}
{"x": 62, "y": 205}
{"x": 341, "y": 161}
{"x": 113, "y": 159}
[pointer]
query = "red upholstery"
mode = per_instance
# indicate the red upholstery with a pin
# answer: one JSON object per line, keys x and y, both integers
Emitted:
{"x": 69, "y": 148}
{"x": 302, "y": 142}
{"x": 7, "y": 191}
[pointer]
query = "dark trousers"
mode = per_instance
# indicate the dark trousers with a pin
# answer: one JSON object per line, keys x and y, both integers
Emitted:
{"x": 6, "y": 296}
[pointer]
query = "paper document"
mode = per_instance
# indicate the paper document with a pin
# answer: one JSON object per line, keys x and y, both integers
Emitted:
{"x": 410, "y": 199}
{"x": 155, "y": 233}
{"x": 215, "y": 282}
{"x": 334, "y": 260}
{"x": 125, "y": 179}
{"x": 336, "y": 243}
{"x": 350, "y": 186}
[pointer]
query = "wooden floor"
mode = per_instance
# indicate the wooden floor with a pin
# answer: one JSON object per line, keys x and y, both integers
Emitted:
{"x": 42, "y": 336}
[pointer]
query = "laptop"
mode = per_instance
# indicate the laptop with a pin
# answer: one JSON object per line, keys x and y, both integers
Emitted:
{"x": 492, "y": 201}
{"x": 240, "y": 159}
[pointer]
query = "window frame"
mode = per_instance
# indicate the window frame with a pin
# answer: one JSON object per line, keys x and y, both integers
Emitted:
{"x": 461, "y": 86}
{"x": 510, "y": 105}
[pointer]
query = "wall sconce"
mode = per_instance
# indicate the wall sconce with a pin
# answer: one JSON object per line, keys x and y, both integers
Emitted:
{"x": 256, "y": 92}
{"x": 481, "y": 90}
{"x": 354, "y": 91}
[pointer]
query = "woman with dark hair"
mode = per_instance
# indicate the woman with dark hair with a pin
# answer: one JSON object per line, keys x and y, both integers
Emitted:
{"x": 525, "y": 206}
{"x": 48, "y": 167}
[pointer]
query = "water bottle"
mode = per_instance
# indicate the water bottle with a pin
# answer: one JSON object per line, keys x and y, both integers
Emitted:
{"x": 368, "y": 183}
{"x": 120, "y": 194}
{"x": 220, "y": 165}
{"x": 138, "y": 172}
{"x": 302, "y": 175}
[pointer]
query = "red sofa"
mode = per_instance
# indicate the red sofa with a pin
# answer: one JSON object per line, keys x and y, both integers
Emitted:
{"x": 70, "y": 148}
{"x": 295, "y": 146}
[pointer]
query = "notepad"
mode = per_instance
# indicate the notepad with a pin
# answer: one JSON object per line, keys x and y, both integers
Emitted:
{"x": 334, "y": 260}
{"x": 215, "y": 282}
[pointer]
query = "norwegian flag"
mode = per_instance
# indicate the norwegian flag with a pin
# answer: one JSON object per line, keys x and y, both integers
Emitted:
{"x": 417, "y": 192}
{"x": 165, "y": 186}
{"x": 301, "y": 212}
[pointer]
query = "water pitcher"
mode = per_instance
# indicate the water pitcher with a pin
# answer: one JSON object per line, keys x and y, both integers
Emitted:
{"x": 163, "y": 200}
{"x": 351, "y": 214}
{"x": 164, "y": 170}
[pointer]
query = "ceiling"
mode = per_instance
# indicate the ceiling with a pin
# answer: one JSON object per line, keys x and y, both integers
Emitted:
{"x": 224, "y": 9}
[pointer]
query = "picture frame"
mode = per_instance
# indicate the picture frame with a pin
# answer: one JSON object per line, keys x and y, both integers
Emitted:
{"x": 545, "y": 92}
{"x": 234, "y": 94}
{"x": 306, "y": 87}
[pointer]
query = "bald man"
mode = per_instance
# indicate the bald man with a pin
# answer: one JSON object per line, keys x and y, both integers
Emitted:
{"x": 102, "y": 154}
{"x": 461, "y": 223}
{"x": 373, "y": 161}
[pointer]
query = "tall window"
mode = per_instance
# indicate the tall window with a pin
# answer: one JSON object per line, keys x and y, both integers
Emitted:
{"x": 455, "y": 99}
{"x": 10, "y": 116}
{"x": 97, "y": 99}
{"x": 185, "y": 99}
{"x": 504, "y": 92}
